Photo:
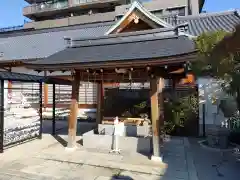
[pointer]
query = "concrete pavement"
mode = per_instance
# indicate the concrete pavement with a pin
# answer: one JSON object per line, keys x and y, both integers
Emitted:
{"x": 48, "y": 159}
{"x": 213, "y": 165}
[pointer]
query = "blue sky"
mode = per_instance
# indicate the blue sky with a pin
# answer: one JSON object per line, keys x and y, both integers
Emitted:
{"x": 11, "y": 10}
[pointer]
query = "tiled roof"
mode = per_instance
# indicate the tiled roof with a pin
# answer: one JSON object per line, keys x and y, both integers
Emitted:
{"x": 205, "y": 22}
{"x": 6, "y": 75}
{"x": 43, "y": 43}
{"x": 124, "y": 47}
{"x": 211, "y": 22}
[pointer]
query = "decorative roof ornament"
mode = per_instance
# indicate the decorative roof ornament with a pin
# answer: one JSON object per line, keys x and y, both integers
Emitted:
{"x": 130, "y": 14}
{"x": 135, "y": 18}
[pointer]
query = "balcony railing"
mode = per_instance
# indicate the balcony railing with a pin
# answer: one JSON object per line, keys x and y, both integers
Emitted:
{"x": 76, "y": 2}
{"x": 79, "y": 2}
{"x": 43, "y": 7}
{"x": 12, "y": 28}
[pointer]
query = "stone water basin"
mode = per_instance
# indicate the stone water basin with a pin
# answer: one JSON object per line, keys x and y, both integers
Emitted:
{"x": 134, "y": 139}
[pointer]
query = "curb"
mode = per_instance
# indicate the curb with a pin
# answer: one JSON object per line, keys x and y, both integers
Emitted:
{"x": 215, "y": 149}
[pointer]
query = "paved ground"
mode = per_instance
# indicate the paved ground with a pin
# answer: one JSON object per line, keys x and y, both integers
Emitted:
{"x": 213, "y": 165}
{"x": 48, "y": 159}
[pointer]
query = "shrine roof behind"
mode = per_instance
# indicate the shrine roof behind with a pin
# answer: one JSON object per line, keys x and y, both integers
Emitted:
{"x": 150, "y": 44}
{"x": 6, "y": 75}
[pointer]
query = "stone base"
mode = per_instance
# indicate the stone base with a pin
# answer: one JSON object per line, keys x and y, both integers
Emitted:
{"x": 71, "y": 149}
{"x": 125, "y": 143}
{"x": 156, "y": 159}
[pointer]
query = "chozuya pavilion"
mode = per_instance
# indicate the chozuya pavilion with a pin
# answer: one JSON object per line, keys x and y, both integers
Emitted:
{"x": 138, "y": 48}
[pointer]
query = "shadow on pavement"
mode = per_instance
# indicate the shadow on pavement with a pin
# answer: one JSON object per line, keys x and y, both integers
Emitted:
{"x": 119, "y": 177}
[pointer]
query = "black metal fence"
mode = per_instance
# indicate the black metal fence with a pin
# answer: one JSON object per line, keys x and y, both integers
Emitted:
{"x": 21, "y": 112}
{"x": 57, "y": 108}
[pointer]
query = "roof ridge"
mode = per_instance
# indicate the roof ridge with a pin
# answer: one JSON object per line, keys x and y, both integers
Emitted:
{"x": 123, "y": 41}
{"x": 24, "y": 32}
{"x": 126, "y": 34}
{"x": 235, "y": 11}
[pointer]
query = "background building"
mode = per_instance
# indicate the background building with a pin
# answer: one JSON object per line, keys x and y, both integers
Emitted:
{"x": 56, "y": 13}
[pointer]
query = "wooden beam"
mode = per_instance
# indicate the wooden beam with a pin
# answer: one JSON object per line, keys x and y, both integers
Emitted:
{"x": 72, "y": 120}
{"x": 137, "y": 75}
{"x": 125, "y": 23}
{"x": 100, "y": 102}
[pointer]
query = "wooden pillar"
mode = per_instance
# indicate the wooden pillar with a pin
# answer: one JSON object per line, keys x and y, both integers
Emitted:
{"x": 40, "y": 111}
{"x": 10, "y": 84}
{"x": 161, "y": 85}
{"x": 54, "y": 110}
{"x": 45, "y": 89}
{"x": 156, "y": 86}
{"x": 1, "y": 115}
{"x": 72, "y": 120}
{"x": 9, "y": 87}
{"x": 100, "y": 94}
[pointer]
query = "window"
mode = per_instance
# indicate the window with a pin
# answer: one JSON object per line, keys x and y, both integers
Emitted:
{"x": 178, "y": 11}
{"x": 141, "y": 1}
{"x": 181, "y": 12}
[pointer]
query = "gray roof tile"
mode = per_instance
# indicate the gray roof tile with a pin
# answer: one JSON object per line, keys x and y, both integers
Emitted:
{"x": 6, "y": 75}
{"x": 39, "y": 45}
{"x": 198, "y": 24}
{"x": 121, "y": 49}
{"x": 212, "y": 22}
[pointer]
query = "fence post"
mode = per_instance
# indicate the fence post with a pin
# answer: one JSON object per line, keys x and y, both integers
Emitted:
{"x": 54, "y": 111}
{"x": 203, "y": 115}
{"x": 2, "y": 116}
{"x": 40, "y": 110}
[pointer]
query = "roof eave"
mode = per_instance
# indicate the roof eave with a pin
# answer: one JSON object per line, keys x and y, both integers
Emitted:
{"x": 135, "y": 63}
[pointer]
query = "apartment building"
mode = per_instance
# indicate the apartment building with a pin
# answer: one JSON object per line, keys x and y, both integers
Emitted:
{"x": 57, "y": 13}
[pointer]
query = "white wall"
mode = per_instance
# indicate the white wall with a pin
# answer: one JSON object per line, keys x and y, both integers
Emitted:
{"x": 210, "y": 89}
